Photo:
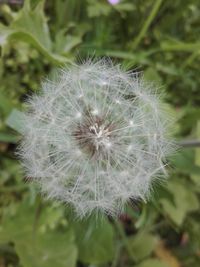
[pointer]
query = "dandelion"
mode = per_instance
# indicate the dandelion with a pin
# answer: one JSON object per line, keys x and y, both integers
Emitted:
{"x": 95, "y": 138}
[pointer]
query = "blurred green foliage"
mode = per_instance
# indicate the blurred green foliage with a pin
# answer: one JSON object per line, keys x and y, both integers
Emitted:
{"x": 161, "y": 38}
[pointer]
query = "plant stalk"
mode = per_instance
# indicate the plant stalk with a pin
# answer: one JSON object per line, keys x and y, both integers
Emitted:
{"x": 147, "y": 24}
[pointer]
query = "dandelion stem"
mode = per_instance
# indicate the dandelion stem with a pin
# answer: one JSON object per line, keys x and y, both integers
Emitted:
{"x": 147, "y": 24}
{"x": 189, "y": 143}
{"x": 37, "y": 214}
{"x": 123, "y": 237}
{"x": 117, "y": 256}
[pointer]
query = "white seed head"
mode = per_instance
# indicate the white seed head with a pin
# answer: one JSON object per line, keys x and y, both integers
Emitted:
{"x": 95, "y": 137}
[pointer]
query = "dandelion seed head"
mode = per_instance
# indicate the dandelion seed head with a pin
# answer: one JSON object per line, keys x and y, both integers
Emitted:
{"x": 95, "y": 137}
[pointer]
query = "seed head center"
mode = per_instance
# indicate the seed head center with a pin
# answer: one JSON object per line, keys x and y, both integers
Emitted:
{"x": 100, "y": 134}
{"x": 94, "y": 136}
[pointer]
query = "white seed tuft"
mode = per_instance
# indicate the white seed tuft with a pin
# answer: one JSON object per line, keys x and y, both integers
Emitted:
{"x": 95, "y": 138}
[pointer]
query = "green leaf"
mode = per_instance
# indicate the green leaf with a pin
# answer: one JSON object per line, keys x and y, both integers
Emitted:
{"x": 185, "y": 200}
{"x": 49, "y": 249}
{"x": 126, "y": 7}
{"x": 96, "y": 9}
{"x": 64, "y": 43}
{"x": 95, "y": 240}
{"x": 5, "y": 33}
{"x": 176, "y": 45}
{"x": 31, "y": 26}
{"x": 152, "y": 75}
{"x": 142, "y": 245}
{"x": 15, "y": 120}
{"x": 131, "y": 58}
{"x": 6, "y": 104}
{"x": 152, "y": 263}
{"x": 8, "y": 138}
{"x": 34, "y": 247}
{"x": 193, "y": 228}
{"x": 190, "y": 116}
{"x": 33, "y": 23}
{"x": 183, "y": 161}
{"x": 51, "y": 217}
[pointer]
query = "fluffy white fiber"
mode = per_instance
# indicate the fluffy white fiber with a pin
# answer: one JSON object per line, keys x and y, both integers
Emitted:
{"x": 95, "y": 138}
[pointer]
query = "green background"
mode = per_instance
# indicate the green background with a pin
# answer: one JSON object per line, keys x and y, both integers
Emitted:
{"x": 160, "y": 38}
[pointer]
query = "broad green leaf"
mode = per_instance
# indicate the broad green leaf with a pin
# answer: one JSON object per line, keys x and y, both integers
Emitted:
{"x": 34, "y": 23}
{"x": 34, "y": 247}
{"x": 193, "y": 228}
{"x": 142, "y": 245}
{"x": 15, "y": 120}
{"x": 13, "y": 218}
{"x": 5, "y": 104}
{"x": 152, "y": 75}
{"x": 65, "y": 42}
{"x": 51, "y": 217}
{"x": 31, "y": 26}
{"x": 152, "y": 263}
{"x": 190, "y": 116}
{"x": 5, "y": 32}
{"x": 48, "y": 250}
{"x": 184, "y": 161}
{"x": 185, "y": 200}
{"x": 95, "y": 240}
